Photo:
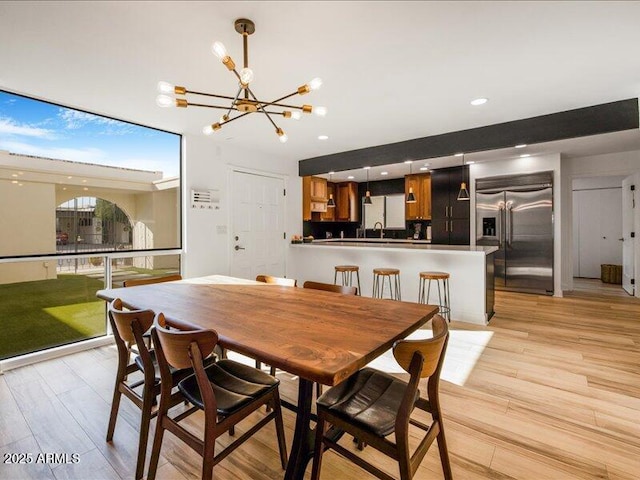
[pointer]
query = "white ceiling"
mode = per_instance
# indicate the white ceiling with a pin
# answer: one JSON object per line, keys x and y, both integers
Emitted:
{"x": 392, "y": 71}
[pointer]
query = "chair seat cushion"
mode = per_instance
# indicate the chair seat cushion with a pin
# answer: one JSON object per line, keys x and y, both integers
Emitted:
{"x": 234, "y": 385}
{"x": 369, "y": 399}
{"x": 177, "y": 374}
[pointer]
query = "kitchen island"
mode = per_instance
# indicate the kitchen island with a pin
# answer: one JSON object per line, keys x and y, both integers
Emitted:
{"x": 470, "y": 268}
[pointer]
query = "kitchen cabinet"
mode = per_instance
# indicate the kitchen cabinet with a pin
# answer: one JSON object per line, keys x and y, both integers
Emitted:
{"x": 314, "y": 196}
{"x": 450, "y": 217}
{"x": 421, "y": 185}
{"x": 330, "y": 214}
{"x": 347, "y": 204}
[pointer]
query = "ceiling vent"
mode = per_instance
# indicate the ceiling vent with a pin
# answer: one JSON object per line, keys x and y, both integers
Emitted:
{"x": 205, "y": 199}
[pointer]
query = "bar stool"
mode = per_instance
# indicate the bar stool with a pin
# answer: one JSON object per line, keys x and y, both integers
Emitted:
{"x": 378, "y": 285}
{"x": 445, "y": 309}
{"x": 346, "y": 272}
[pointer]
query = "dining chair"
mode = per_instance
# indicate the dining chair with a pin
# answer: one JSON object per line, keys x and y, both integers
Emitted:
{"x": 330, "y": 287}
{"x": 128, "y": 328}
{"x": 285, "y": 282}
{"x": 371, "y": 405}
{"x": 226, "y": 391}
{"x": 134, "y": 282}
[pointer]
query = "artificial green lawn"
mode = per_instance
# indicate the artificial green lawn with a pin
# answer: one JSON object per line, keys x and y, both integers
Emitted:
{"x": 47, "y": 313}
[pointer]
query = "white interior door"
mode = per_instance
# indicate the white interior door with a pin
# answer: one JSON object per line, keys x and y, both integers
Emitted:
{"x": 628, "y": 256}
{"x": 257, "y": 225}
{"x": 597, "y": 227}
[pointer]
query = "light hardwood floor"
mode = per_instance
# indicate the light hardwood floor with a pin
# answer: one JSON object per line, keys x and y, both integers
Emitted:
{"x": 550, "y": 390}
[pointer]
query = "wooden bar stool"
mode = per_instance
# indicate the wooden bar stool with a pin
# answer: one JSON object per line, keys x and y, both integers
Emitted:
{"x": 346, "y": 272}
{"x": 378, "y": 284}
{"x": 445, "y": 309}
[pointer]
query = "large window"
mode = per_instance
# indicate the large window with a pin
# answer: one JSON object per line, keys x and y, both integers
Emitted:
{"x": 85, "y": 202}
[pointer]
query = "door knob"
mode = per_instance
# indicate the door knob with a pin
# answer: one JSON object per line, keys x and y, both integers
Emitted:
{"x": 238, "y": 247}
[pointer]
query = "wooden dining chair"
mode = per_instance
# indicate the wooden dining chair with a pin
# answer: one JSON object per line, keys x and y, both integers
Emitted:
{"x": 128, "y": 328}
{"x": 371, "y": 405}
{"x": 330, "y": 287}
{"x": 227, "y": 392}
{"x": 285, "y": 282}
{"x": 134, "y": 282}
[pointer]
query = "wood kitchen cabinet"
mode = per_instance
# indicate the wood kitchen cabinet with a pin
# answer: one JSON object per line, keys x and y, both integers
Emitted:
{"x": 330, "y": 214}
{"x": 450, "y": 222}
{"x": 314, "y": 196}
{"x": 347, "y": 204}
{"x": 421, "y": 185}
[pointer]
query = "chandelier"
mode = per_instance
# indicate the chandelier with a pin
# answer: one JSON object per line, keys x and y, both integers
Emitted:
{"x": 245, "y": 101}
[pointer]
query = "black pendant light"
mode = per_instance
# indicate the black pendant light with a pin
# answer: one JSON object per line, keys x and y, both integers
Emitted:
{"x": 367, "y": 196}
{"x": 331, "y": 203}
{"x": 411, "y": 198}
{"x": 463, "y": 194}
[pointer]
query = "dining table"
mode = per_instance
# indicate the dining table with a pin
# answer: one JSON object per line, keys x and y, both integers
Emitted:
{"x": 319, "y": 336}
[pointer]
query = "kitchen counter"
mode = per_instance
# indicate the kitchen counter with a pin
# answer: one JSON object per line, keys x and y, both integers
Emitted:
{"x": 471, "y": 269}
{"x": 393, "y": 243}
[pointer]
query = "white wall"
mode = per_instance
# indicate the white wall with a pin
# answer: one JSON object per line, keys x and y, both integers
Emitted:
{"x": 207, "y": 165}
{"x": 520, "y": 166}
{"x": 614, "y": 165}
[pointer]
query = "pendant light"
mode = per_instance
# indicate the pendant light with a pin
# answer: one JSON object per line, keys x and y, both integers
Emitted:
{"x": 463, "y": 194}
{"x": 411, "y": 198}
{"x": 331, "y": 203}
{"x": 367, "y": 197}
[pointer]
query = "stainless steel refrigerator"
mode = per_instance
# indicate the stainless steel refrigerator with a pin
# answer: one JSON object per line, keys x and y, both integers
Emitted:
{"x": 515, "y": 214}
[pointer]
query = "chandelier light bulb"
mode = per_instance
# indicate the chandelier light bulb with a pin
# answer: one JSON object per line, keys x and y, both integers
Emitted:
{"x": 246, "y": 76}
{"x": 219, "y": 50}
{"x": 315, "y": 84}
{"x": 320, "y": 111}
{"x": 165, "y": 101}
{"x": 165, "y": 87}
{"x": 284, "y": 138}
{"x": 296, "y": 115}
{"x": 207, "y": 130}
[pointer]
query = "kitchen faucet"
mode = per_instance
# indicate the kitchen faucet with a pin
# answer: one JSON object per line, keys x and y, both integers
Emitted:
{"x": 375, "y": 227}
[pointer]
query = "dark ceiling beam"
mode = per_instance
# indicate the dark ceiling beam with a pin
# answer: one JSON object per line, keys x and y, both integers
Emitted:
{"x": 582, "y": 122}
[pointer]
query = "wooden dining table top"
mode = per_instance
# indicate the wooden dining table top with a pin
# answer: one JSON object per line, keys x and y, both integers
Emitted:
{"x": 320, "y": 336}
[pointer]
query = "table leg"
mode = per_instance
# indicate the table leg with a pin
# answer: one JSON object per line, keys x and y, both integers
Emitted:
{"x": 303, "y": 436}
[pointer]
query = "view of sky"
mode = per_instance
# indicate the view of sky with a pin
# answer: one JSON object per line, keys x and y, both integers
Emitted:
{"x": 41, "y": 129}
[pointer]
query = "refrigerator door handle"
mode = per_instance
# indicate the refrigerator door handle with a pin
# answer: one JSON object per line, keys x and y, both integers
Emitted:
{"x": 509, "y": 232}
{"x": 501, "y": 227}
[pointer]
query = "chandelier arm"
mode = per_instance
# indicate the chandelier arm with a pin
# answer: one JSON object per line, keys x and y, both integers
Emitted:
{"x": 261, "y": 107}
{"x": 235, "y": 118}
{"x": 210, "y": 106}
{"x": 284, "y": 98}
{"x": 226, "y": 97}
{"x": 231, "y": 108}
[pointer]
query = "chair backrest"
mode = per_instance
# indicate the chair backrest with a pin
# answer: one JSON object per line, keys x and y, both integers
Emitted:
{"x": 330, "y": 287}
{"x": 431, "y": 349}
{"x": 176, "y": 344}
{"x": 122, "y": 321}
{"x": 133, "y": 282}
{"x": 285, "y": 282}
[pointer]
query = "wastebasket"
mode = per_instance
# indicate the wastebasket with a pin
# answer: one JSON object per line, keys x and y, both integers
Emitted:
{"x": 611, "y": 273}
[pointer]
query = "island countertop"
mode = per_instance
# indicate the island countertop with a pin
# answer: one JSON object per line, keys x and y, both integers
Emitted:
{"x": 395, "y": 243}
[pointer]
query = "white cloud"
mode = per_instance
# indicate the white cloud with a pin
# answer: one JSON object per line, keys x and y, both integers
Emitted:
{"x": 75, "y": 119}
{"x": 9, "y": 127}
{"x": 85, "y": 155}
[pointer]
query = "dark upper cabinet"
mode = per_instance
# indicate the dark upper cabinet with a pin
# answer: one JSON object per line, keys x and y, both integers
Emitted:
{"x": 450, "y": 217}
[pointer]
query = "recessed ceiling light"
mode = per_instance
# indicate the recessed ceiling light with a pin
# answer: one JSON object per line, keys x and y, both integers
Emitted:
{"x": 458, "y": 154}
{"x": 84, "y": 181}
{"x": 522, "y": 145}
{"x": 85, "y": 189}
{"x": 384, "y": 173}
{"x": 408, "y": 161}
{"x": 14, "y": 181}
{"x": 350, "y": 177}
{"x": 470, "y": 162}
{"x": 69, "y": 177}
{"x": 20, "y": 184}
{"x": 525, "y": 155}
{"x": 366, "y": 168}
{"x": 424, "y": 168}
{"x": 479, "y": 101}
{"x": 64, "y": 188}
{"x": 20, "y": 173}
{"x": 14, "y": 175}
{"x": 331, "y": 172}
{"x": 323, "y": 137}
